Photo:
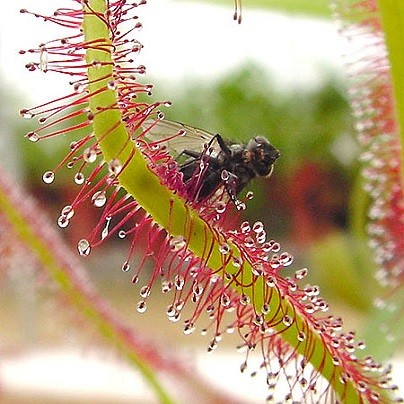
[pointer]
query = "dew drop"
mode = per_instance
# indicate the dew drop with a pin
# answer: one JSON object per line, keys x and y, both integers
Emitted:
{"x": 105, "y": 230}
{"x": 212, "y": 345}
{"x": 220, "y": 207}
{"x": 241, "y": 205}
{"x": 225, "y": 300}
{"x": 175, "y": 318}
{"x": 237, "y": 262}
{"x": 166, "y": 286}
{"x": 63, "y": 221}
{"x": 245, "y": 227}
{"x": 197, "y": 289}
{"x": 275, "y": 246}
{"x": 287, "y": 320}
{"x": 286, "y": 259}
{"x": 84, "y": 247}
{"x": 301, "y": 273}
{"x": 26, "y": 113}
{"x": 301, "y": 336}
{"x": 31, "y": 67}
{"x": 265, "y": 309}
{"x": 244, "y": 299}
{"x": 179, "y": 304}
{"x": 177, "y": 243}
{"x": 141, "y": 306}
{"x": 122, "y": 234}
{"x": 179, "y": 282}
{"x": 111, "y": 85}
{"x": 170, "y": 311}
{"x": 67, "y": 211}
{"x": 32, "y": 136}
{"x": 258, "y": 227}
{"x": 361, "y": 345}
{"x": 275, "y": 263}
{"x": 261, "y": 237}
{"x": 224, "y": 248}
{"x": 214, "y": 279}
{"x": 48, "y": 177}
{"x": 73, "y": 145}
{"x": 89, "y": 155}
{"x": 267, "y": 247}
{"x": 225, "y": 175}
{"x": 79, "y": 178}
{"x": 242, "y": 348}
{"x": 78, "y": 88}
{"x": 114, "y": 167}
{"x": 189, "y": 328}
{"x": 136, "y": 47}
{"x": 257, "y": 269}
{"x": 271, "y": 281}
{"x": 125, "y": 266}
{"x": 99, "y": 198}
{"x": 145, "y": 291}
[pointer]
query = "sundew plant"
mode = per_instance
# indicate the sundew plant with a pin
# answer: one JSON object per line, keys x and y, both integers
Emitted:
{"x": 204, "y": 256}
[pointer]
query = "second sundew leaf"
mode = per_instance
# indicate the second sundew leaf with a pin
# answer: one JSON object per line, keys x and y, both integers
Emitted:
{"x": 219, "y": 270}
{"x": 392, "y": 21}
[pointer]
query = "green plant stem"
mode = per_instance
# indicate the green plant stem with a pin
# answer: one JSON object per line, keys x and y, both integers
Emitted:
{"x": 172, "y": 213}
{"x": 392, "y": 20}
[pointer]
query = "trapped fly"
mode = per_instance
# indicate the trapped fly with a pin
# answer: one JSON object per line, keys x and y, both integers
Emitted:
{"x": 229, "y": 164}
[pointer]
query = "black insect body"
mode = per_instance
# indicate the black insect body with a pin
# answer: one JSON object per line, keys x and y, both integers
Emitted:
{"x": 219, "y": 161}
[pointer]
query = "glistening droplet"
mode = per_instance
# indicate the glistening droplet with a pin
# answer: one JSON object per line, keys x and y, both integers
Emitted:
{"x": 99, "y": 198}
{"x": 84, "y": 247}
{"x": 125, "y": 266}
{"x": 67, "y": 211}
{"x": 32, "y": 136}
{"x": 114, "y": 167}
{"x": 141, "y": 307}
{"x": 79, "y": 178}
{"x": 26, "y": 113}
{"x": 48, "y": 177}
{"x": 89, "y": 155}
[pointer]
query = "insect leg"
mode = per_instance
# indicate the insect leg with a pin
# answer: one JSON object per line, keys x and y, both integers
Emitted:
{"x": 222, "y": 144}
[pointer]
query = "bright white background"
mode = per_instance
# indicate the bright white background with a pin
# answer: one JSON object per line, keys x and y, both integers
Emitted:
{"x": 187, "y": 40}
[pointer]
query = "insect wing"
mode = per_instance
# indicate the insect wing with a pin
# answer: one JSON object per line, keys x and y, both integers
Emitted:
{"x": 178, "y": 137}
